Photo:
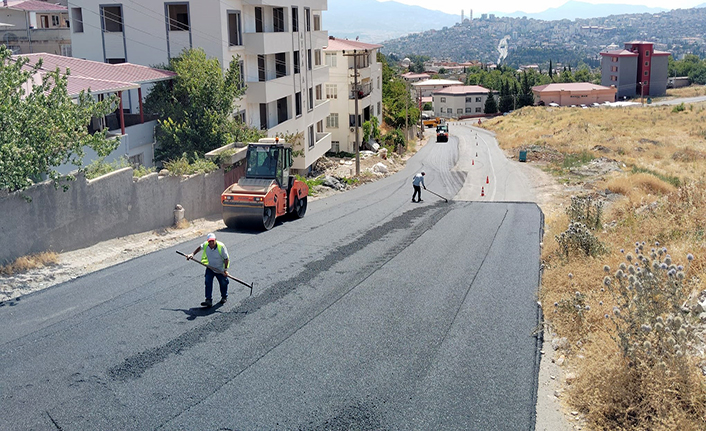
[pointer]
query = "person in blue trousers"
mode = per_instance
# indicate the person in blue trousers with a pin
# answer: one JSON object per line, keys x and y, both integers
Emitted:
{"x": 215, "y": 255}
{"x": 418, "y": 183}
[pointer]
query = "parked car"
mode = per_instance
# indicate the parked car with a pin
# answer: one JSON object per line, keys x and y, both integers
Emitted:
{"x": 442, "y": 133}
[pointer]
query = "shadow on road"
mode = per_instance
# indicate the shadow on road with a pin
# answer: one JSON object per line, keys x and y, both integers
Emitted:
{"x": 194, "y": 312}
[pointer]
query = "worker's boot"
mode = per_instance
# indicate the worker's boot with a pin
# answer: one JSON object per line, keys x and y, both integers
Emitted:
{"x": 207, "y": 303}
{"x": 223, "y": 300}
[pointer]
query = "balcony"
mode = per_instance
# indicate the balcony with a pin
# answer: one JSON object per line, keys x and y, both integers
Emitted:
{"x": 269, "y": 91}
{"x": 363, "y": 91}
{"x": 267, "y": 42}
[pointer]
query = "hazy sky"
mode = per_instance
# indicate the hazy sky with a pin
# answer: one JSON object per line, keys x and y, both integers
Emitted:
{"x": 455, "y": 6}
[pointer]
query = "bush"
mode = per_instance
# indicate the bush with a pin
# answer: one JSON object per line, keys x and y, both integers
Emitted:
{"x": 99, "y": 167}
{"x": 678, "y": 108}
{"x": 183, "y": 166}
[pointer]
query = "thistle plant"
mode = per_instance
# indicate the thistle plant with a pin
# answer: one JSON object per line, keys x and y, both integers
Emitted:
{"x": 578, "y": 238}
{"x": 652, "y": 325}
{"x": 586, "y": 210}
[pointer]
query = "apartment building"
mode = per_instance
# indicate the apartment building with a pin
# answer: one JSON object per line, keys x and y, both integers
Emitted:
{"x": 279, "y": 44}
{"x": 637, "y": 70}
{"x": 343, "y": 57}
{"x": 458, "y": 101}
{"x": 29, "y": 26}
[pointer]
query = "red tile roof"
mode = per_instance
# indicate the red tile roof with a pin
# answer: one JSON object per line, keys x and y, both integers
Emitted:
{"x": 35, "y": 6}
{"x": 96, "y": 76}
{"x": 462, "y": 89}
{"x": 341, "y": 44}
{"x": 569, "y": 86}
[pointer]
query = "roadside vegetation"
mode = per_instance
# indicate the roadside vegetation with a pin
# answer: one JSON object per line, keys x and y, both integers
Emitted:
{"x": 29, "y": 262}
{"x": 624, "y": 258}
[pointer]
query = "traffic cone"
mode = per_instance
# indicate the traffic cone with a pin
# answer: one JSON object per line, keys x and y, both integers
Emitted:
{"x": 476, "y": 154}
{"x": 473, "y": 162}
{"x": 487, "y": 180}
{"x": 482, "y": 191}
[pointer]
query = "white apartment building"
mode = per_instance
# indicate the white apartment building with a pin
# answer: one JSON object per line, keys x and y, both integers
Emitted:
{"x": 458, "y": 101}
{"x": 340, "y": 90}
{"x": 280, "y": 45}
{"x": 30, "y": 26}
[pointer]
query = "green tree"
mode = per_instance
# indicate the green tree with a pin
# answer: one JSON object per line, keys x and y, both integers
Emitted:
{"x": 505, "y": 104}
{"x": 43, "y": 128}
{"x": 398, "y": 106}
{"x": 582, "y": 75}
{"x": 551, "y": 69}
{"x": 197, "y": 107}
{"x": 525, "y": 97}
{"x": 491, "y": 107}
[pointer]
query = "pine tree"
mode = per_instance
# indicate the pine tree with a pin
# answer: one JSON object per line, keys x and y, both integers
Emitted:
{"x": 491, "y": 106}
{"x": 551, "y": 69}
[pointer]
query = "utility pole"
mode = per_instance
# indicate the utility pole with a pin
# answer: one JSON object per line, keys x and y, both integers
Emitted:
{"x": 355, "y": 54}
{"x": 406, "y": 112}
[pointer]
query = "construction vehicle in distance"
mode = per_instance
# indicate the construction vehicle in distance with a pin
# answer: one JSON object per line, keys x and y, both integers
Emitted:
{"x": 267, "y": 191}
{"x": 428, "y": 121}
{"x": 442, "y": 133}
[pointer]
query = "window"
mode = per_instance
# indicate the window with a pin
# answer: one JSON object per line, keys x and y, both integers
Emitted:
{"x": 295, "y": 18}
{"x": 77, "y": 18}
{"x": 319, "y": 92}
{"x": 449, "y": 111}
{"x": 297, "y": 60}
{"x": 478, "y": 110}
{"x": 178, "y": 15}
{"x": 261, "y": 68}
{"x": 469, "y": 100}
{"x": 308, "y": 58}
{"x": 240, "y": 116}
{"x": 312, "y": 141}
{"x": 332, "y": 121}
{"x": 317, "y": 22}
{"x": 66, "y": 50}
{"x": 320, "y": 127}
{"x": 317, "y": 57}
{"x": 115, "y": 60}
{"x": 298, "y": 103}
{"x": 311, "y": 99}
{"x": 241, "y": 76}
{"x": 469, "y": 110}
{"x": 647, "y": 72}
{"x": 443, "y": 100}
{"x": 614, "y": 59}
{"x": 613, "y": 68}
{"x": 379, "y": 108}
{"x": 235, "y": 31}
{"x": 645, "y": 82}
{"x": 459, "y": 111}
{"x": 278, "y": 19}
{"x": 112, "y": 17}
{"x": 647, "y": 63}
{"x": 351, "y": 120}
{"x": 331, "y": 59}
{"x": 307, "y": 18}
{"x": 478, "y": 99}
{"x": 280, "y": 65}
{"x": 331, "y": 91}
{"x": 258, "y": 20}
{"x": 613, "y": 78}
{"x": 263, "y": 116}
{"x": 55, "y": 20}
{"x": 378, "y": 82}
{"x": 647, "y": 53}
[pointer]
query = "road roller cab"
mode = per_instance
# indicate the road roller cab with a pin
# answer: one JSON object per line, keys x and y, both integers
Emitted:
{"x": 267, "y": 190}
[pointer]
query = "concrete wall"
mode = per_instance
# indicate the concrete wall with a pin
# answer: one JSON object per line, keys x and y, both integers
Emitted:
{"x": 111, "y": 206}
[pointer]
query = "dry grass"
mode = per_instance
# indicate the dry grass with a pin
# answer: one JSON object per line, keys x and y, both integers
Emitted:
{"x": 664, "y": 201}
{"x": 691, "y": 91}
{"x": 26, "y": 263}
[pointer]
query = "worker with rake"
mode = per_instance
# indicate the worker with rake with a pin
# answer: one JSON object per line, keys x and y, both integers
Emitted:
{"x": 215, "y": 255}
{"x": 418, "y": 183}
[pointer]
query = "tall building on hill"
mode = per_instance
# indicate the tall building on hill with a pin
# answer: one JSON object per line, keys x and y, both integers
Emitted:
{"x": 279, "y": 45}
{"x": 638, "y": 70}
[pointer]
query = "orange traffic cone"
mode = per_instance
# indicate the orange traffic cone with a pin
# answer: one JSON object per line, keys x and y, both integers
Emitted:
{"x": 476, "y": 154}
{"x": 473, "y": 162}
{"x": 487, "y": 180}
{"x": 482, "y": 191}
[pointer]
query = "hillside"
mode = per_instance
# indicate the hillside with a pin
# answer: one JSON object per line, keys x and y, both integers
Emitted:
{"x": 531, "y": 41}
{"x": 581, "y": 10}
{"x": 370, "y": 20}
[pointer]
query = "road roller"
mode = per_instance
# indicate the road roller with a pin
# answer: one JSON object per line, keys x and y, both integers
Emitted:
{"x": 267, "y": 191}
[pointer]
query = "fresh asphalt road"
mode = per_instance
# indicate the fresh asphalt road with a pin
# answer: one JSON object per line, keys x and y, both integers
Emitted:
{"x": 369, "y": 313}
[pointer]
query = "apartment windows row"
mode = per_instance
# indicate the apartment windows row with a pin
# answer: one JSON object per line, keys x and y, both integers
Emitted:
{"x": 470, "y": 100}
